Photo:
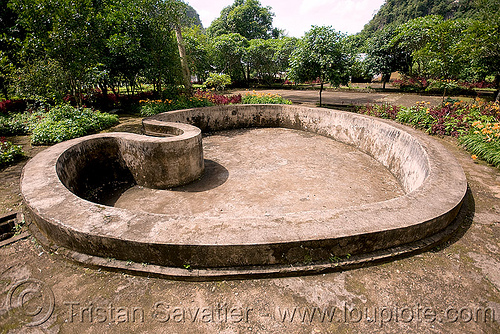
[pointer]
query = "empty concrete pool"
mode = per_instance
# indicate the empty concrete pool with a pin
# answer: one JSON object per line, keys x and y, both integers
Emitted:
{"x": 272, "y": 190}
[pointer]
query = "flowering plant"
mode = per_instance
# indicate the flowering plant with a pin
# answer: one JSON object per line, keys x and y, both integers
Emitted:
{"x": 264, "y": 98}
{"x": 475, "y": 124}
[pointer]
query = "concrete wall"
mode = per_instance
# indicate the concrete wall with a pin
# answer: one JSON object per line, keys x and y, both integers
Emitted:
{"x": 105, "y": 163}
{"x": 394, "y": 148}
{"x": 434, "y": 182}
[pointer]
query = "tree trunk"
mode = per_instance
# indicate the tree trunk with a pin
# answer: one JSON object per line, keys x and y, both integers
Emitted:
{"x": 248, "y": 75}
{"x": 77, "y": 92}
{"x": 497, "y": 85}
{"x": 184, "y": 64}
{"x": 5, "y": 89}
{"x": 104, "y": 90}
{"x": 320, "y": 94}
{"x": 385, "y": 78}
{"x": 158, "y": 87}
{"x": 117, "y": 95}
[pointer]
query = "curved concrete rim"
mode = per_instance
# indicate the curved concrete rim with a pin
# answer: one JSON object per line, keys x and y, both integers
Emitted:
{"x": 434, "y": 195}
{"x": 267, "y": 271}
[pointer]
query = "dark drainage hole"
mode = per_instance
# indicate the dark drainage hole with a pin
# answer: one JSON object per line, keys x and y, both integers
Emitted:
{"x": 9, "y": 226}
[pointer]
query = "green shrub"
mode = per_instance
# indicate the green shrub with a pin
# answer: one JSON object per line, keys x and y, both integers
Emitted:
{"x": 217, "y": 81}
{"x": 66, "y": 122}
{"x": 172, "y": 92}
{"x": 18, "y": 124}
{"x": 483, "y": 140}
{"x": 264, "y": 98}
{"x": 418, "y": 116}
{"x": 476, "y": 125}
{"x": 387, "y": 111}
{"x": 153, "y": 107}
{"x": 150, "y": 108}
{"x": 441, "y": 86}
{"x": 488, "y": 151}
{"x": 9, "y": 153}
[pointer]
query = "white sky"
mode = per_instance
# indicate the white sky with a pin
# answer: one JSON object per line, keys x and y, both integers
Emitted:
{"x": 297, "y": 16}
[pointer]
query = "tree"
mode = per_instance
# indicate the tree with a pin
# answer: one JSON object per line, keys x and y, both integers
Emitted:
{"x": 321, "y": 55}
{"x": 482, "y": 47}
{"x": 99, "y": 43}
{"x": 434, "y": 45}
{"x": 245, "y": 17}
{"x": 61, "y": 30}
{"x": 383, "y": 57}
{"x": 268, "y": 59}
{"x": 217, "y": 81}
{"x": 229, "y": 51}
{"x": 11, "y": 36}
{"x": 177, "y": 12}
{"x": 259, "y": 58}
{"x": 441, "y": 55}
{"x": 284, "y": 49}
{"x": 482, "y": 41}
{"x": 199, "y": 52}
{"x": 163, "y": 63}
{"x": 46, "y": 79}
{"x": 121, "y": 45}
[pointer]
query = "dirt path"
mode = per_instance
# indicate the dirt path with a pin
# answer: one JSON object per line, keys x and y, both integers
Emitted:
{"x": 346, "y": 98}
{"x": 440, "y": 291}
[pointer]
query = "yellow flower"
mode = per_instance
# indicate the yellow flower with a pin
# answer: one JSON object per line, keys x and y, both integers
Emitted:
{"x": 474, "y": 157}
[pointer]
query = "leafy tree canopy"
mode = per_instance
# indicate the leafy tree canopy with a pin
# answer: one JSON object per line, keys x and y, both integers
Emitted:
{"x": 199, "y": 51}
{"x": 384, "y": 57}
{"x": 245, "y": 17}
{"x": 321, "y": 54}
{"x": 229, "y": 50}
{"x": 104, "y": 43}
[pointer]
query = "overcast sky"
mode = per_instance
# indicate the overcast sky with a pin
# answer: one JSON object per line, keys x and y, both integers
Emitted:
{"x": 297, "y": 16}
